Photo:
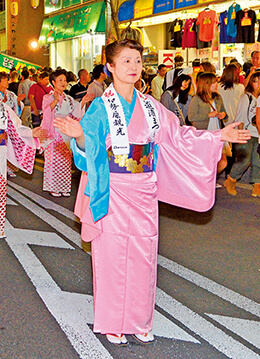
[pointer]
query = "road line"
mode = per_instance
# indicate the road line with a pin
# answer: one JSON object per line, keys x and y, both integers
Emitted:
{"x": 55, "y": 223}
{"x": 206, "y": 330}
{"x": 46, "y": 203}
{"x": 217, "y": 289}
{"x": 197, "y": 324}
{"x": 211, "y": 286}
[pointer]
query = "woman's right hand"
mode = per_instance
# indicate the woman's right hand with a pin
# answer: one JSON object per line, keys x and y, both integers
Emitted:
{"x": 68, "y": 126}
{"x": 213, "y": 114}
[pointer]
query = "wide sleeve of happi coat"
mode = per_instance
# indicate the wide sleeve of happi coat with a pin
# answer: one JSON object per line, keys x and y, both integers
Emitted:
{"x": 187, "y": 163}
{"x": 21, "y": 146}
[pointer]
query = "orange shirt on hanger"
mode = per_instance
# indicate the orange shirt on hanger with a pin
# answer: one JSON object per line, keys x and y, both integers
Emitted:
{"x": 208, "y": 21}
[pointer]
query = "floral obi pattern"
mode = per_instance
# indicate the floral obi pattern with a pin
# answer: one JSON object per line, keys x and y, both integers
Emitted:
{"x": 140, "y": 159}
{"x": 3, "y": 138}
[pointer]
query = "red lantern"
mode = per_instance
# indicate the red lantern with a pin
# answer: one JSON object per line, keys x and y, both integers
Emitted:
{"x": 35, "y": 3}
{"x": 14, "y": 8}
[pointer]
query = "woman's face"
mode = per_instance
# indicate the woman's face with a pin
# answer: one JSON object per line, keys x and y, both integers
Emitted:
{"x": 256, "y": 83}
{"x": 185, "y": 84}
{"x": 127, "y": 67}
{"x": 60, "y": 83}
{"x": 214, "y": 87}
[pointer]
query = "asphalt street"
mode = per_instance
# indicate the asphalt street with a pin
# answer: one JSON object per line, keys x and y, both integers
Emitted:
{"x": 207, "y": 300}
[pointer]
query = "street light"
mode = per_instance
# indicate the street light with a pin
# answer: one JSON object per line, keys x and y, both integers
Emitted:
{"x": 34, "y": 45}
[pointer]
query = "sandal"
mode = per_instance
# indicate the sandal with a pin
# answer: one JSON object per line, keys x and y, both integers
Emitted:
{"x": 144, "y": 338}
{"x": 53, "y": 194}
{"x": 118, "y": 339}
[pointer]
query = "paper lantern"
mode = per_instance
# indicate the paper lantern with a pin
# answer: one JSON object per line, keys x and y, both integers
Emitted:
{"x": 35, "y": 3}
{"x": 14, "y": 8}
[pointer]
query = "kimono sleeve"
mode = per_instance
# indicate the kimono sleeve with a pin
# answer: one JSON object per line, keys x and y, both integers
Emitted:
{"x": 21, "y": 146}
{"x": 187, "y": 163}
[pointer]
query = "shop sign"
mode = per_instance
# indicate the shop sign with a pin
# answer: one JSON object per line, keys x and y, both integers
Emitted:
{"x": 74, "y": 23}
{"x": 143, "y": 8}
{"x": 51, "y": 5}
{"x": 7, "y": 62}
{"x": 162, "y": 6}
{"x": 203, "y": 1}
{"x": 68, "y": 3}
{"x": 184, "y": 3}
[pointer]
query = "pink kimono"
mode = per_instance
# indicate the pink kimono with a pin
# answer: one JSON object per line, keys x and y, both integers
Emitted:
{"x": 17, "y": 146}
{"x": 125, "y": 242}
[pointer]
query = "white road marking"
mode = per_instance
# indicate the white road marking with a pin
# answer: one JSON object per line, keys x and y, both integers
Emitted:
{"x": 206, "y": 330}
{"x": 211, "y": 286}
{"x": 191, "y": 320}
{"x": 246, "y": 329}
{"x": 10, "y": 202}
{"x": 71, "y": 310}
{"x": 55, "y": 223}
{"x": 46, "y": 203}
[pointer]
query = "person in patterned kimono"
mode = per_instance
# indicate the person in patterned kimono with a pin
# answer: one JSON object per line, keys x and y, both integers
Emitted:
{"x": 18, "y": 144}
{"x": 134, "y": 153}
{"x": 16, "y": 104}
{"x": 57, "y": 164}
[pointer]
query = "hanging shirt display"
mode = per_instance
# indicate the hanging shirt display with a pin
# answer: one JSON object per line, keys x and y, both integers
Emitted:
{"x": 245, "y": 21}
{"x": 200, "y": 44}
{"x": 208, "y": 21}
{"x": 231, "y": 17}
{"x": 189, "y": 35}
{"x": 176, "y": 33}
{"x": 224, "y": 38}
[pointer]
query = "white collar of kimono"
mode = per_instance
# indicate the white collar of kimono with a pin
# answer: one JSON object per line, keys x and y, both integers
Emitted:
{"x": 3, "y": 117}
{"x": 117, "y": 121}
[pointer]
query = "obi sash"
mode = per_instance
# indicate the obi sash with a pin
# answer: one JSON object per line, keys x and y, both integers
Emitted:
{"x": 140, "y": 159}
{"x": 3, "y": 138}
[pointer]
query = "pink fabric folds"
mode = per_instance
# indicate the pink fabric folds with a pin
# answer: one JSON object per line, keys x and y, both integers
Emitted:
{"x": 125, "y": 257}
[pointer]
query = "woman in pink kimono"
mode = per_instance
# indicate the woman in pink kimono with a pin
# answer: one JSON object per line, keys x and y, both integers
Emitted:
{"x": 135, "y": 153}
{"x": 18, "y": 144}
{"x": 57, "y": 164}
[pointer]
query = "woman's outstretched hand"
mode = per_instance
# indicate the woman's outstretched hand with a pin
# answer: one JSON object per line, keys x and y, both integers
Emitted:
{"x": 231, "y": 134}
{"x": 71, "y": 128}
{"x": 68, "y": 126}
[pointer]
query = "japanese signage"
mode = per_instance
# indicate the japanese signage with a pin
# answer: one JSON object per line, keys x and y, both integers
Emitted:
{"x": 7, "y": 62}
{"x": 184, "y": 3}
{"x": 74, "y": 23}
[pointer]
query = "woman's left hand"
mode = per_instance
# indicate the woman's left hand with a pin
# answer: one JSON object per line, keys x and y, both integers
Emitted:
{"x": 231, "y": 134}
{"x": 221, "y": 115}
{"x": 40, "y": 133}
{"x": 87, "y": 98}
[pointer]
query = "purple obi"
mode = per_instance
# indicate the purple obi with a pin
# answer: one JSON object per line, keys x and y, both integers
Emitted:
{"x": 140, "y": 159}
{"x": 3, "y": 138}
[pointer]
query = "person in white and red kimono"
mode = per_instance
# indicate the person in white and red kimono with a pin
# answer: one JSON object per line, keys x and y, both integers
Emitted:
{"x": 18, "y": 144}
{"x": 135, "y": 153}
{"x": 57, "y": 155}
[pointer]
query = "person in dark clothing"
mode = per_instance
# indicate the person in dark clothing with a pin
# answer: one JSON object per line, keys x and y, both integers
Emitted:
{"x": 79, "y": 90}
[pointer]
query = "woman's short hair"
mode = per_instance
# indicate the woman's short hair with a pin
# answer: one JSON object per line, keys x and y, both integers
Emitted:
{"x": 57, "y": 73}
{"x": 113, "y": 50}
{"x": 3, "y": 75}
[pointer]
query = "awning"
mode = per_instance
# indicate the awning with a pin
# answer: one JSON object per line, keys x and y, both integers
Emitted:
{"x": 74, "y": 23}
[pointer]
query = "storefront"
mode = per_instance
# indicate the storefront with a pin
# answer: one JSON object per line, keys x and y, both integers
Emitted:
{"x": 160, "y": 20}
{"x": 75, "y": 38}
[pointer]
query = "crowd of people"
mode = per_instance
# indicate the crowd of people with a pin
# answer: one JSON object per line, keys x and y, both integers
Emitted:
{"x": 209, "y": 100}
{"x": 133, "y": 151}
